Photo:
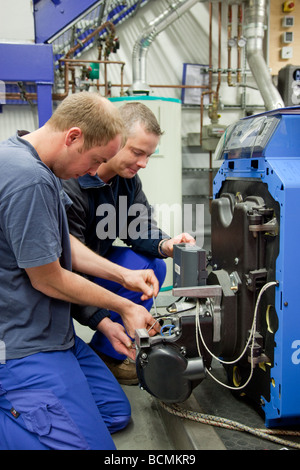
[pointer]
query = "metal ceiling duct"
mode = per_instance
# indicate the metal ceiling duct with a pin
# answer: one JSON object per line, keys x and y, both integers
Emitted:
{"x": 254, "y": 31}
{"x": 145, "y": 39}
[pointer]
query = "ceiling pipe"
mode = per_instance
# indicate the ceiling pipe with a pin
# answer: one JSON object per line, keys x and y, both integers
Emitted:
{"x": 145, "y": 39}
{"x": 254, "y": 31}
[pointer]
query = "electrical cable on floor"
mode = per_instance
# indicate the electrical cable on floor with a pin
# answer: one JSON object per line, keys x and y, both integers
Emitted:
{"x": 211, "y": 420}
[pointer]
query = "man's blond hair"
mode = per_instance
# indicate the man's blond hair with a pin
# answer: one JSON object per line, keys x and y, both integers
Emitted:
{"x": 98, "y": 119}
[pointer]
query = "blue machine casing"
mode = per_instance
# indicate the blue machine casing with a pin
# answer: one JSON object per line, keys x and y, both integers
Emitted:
{"x": 265, "y": 148}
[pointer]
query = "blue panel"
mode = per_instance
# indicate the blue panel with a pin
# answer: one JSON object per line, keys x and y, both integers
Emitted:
{"x": 284, "y": 405}
{"x": 44, "y": 92}
{"x": 284, "y": 143}
{"x": 279, "y": 167}
{"x": 52, "y": 16}
{"x": 28, "y": 62}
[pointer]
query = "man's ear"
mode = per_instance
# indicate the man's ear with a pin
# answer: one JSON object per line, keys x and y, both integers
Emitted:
{"x": 73, "y": 136}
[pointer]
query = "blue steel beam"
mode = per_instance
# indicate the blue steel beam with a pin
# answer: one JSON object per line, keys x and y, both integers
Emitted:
{"x": 30, "y": 63}
{"x": 53, "y": 16}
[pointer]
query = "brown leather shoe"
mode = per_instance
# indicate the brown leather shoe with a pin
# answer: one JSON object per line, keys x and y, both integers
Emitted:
{"x": 124, "y": 371}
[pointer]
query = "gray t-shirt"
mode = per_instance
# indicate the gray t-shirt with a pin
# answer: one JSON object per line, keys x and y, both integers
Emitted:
{"x": 33, "y": 232}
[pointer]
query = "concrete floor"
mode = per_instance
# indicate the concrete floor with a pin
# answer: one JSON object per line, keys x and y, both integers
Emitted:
{"x": 153, "y": 428}
{"x": 146, "y": 431}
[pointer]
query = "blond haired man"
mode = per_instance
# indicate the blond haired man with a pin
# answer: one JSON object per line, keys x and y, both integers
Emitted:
{"x": 55, "y": 393}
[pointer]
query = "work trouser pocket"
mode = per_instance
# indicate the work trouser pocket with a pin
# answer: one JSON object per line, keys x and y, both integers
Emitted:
{"x": 40, "y": 412}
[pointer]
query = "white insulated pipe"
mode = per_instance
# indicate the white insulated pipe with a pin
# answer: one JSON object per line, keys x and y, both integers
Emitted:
{"x": 145, "y": 39}
{"x": 254, "y": 31}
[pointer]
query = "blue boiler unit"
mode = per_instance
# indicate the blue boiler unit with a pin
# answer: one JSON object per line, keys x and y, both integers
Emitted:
{"x": 260, "y": 177}
{"x": 242, "y": 297}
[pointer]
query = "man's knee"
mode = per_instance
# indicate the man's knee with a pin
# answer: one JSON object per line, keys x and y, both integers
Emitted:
{"x": 120, "y": 417}
{"x": 118, "y": 423}
{"x": 160, "y": 269}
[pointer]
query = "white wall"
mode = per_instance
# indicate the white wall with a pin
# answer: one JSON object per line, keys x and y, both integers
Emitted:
{"x": 16, "y": 21}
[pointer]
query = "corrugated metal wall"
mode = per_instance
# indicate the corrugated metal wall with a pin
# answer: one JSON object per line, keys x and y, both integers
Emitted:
{"x": 16, "y": 117}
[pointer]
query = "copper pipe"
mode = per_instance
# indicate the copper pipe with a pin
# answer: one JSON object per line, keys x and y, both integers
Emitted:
{"x": 210, "y": 46}
{"x": 17, "y": 96}
{"x": 57, "y": 96}
{"x": 80, "y": 62}
{"x": 122, "y": 78}
{"x": 90, "y": 36}
{"x": 72, "y": 69}
{"x": 210, "y": 180}
{"x": 239, "y": 49}
{"x": 201, "y": 110}
{"x": 127, "y": 85}
{"x": 105, "y": 79}
{"x": 62, "y": 96}
{"x": 213, "y": 115}
{"x": 219, "y": 49}
{"x": 107, "y": 24}
{"x": 229, "y": 34}
{"x": 179, "y": 86}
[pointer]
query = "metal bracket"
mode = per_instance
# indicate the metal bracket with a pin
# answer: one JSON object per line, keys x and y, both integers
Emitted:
{"x": 200, "y": 292}
{"x": 270, "y": 227}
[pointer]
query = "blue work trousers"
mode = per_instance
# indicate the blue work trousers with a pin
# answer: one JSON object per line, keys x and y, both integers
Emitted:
{"x": 61, "y": 400}
{"x": 127, "y": 258}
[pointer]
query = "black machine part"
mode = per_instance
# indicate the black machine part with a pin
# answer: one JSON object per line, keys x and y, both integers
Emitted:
{"x": 165, "y": 373}
{"x": 244, "y": 240}
{"x": 189, "y": 266}
{"x": 170, "y": 367}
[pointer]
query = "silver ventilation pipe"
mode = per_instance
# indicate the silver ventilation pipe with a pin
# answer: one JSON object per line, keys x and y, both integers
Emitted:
{"x": 254, "y": 31}
{"x": 145, "y": 39}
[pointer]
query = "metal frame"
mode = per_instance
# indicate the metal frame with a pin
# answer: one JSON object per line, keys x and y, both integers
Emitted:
{"x": 60, "y": 13}
{"x": 30, "y": 63}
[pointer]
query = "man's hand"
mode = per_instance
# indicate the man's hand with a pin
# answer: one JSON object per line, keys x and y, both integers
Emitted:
{"x": 168, "y": 245}
{"x": 117, "y": 336}
{"x": 135, "y": 317}
{"x": 116, "y": 333}
{"x": 142, "y": 280}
